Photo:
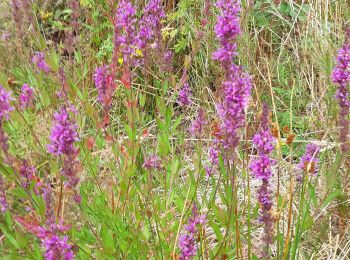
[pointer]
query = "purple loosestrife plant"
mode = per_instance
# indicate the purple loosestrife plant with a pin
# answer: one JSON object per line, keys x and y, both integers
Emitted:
{"x": 57, "y": 248}
{"x": 261, "y": 168}
{"x": 50, "y": 233}
{"x": 309, "y": 161}
{"x": 150, "y": 25}
{"x": 199, "y": 123}
{"x": 188, "y": 239}
{"x": 227, "y": 30}
{"x": 184, "y": 95}
{"x": 150, "y": 35}
{"x": 5, "y": 104}
{"x": 341, "y": 77}
{"x": 126, "y": 40}
{"x": 3, "y": 201}
{"x": 237, "y": 84}
{"x": 104, "y": 85}
{"x": 26, "y": 97}
{"x": 5, "y": 109}
{"x": 63, "y": 137}
{"x": 39, "y": 61}
{"x": 152, "y": 162}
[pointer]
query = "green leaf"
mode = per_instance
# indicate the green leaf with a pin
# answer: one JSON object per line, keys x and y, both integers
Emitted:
{"x": 107, "y": 240}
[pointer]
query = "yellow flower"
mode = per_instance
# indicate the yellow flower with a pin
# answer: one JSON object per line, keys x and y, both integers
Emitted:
{"x": 120, "y": 60}
{"x": 45, "y": 15}
{"x": 139, "y": 53}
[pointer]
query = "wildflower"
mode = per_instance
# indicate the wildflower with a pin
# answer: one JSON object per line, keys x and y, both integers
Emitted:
{"x": 237, "y": 84}
{"x": 309, "y": 161}
{"x": 150, "y": 35}
{"x": 152, "y": 162}
{"x": 63, "y": 134}
{"x": 26, "y": 97}
{"x": 188, "y": 240}
{"x": 341, "y": 77}
{"x": 261, "y": 169}
{"x": 214, "y": 155}
{"x": 231, "y": 110}
{"x": 126, "y": 39}
{"x": 5, "y": 109}
{"x": 104, "y": 84}
{"x": 27, "y": 172}
{"x": 198, "y": 124}
{"x": 227, "y": 30}
{"x": 50, "y": 233}
{"x": 150, "y": 25}
{"x": 184, "y": 95}
{"x": 39, "y": 61}
{"x": 57, "y": 248}
{"x": 168, "y": 60}
{"x": 63, "y": 137}
{"x": 5, "y": 104}
{"x": 3, "y": 201}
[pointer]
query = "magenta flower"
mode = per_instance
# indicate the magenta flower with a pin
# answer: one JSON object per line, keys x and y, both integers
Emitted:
{"x": 150, "y": 25}
{"x": 341, "y": 77}
{"x": 227, "y": 30}
{"x": 184, "y": 95}
{"x": 57, "y": 248}
{"x": 26, "y": 97}
{"x": 27, "y": 173}
{"x": 63, "y": 137}
{"x": 63, "y": 134}
{"x": 5, "y": 109}
{"x": 237, "y": 84}
{"x": 261, "y": 169}
{"x": 309, "y": 161}
{"x": 50, "y": 233}
{"x": 5, "y": 104}
{"x": 188, "y": 239}
{"x": 126, "y": 40}
{"x": 39, "y": 61}
{"x": 198, "y": 124}
{"x": 104, "y": 84}
{"x": 152, "y": 162}
{"x": 3, "y": 201}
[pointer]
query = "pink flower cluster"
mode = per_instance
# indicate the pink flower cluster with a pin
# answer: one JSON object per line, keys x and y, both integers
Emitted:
{"x": 188, "y": 240}
{"x": 237, "y": 85}
{"x": 341, "y": 77}
{"x": 261, "y": 169}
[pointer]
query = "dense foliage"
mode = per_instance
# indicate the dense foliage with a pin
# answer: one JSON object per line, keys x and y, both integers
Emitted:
{"x": 174, "y": 129}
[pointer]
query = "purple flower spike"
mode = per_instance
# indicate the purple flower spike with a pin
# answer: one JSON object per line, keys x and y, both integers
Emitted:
{"x": 227, "y": 30}
{"x": 126, "y": 40}
{"x": 5, "y": 104}
{"x": 26, "y": 97}
{"x": 237, "y": 85}
{"x": 198, "y": 124}
{"x": 261, "y": 168}
{"x": 103, "y": 82}
{"x": 3, "y": 201}
{"x": 63, "y": 134}
{"x": 152, "y": 162}
{"x": 150, "y": 25}
{"x": 63, "y": 137}
{"x": 39, "y": 61}
{"x": 184, "y": 95}
{"x": 309, "y": 161}
{"x": 188, "y": 240}
{"x": 57, "y": 248}
{"x": 341, "y": 77}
